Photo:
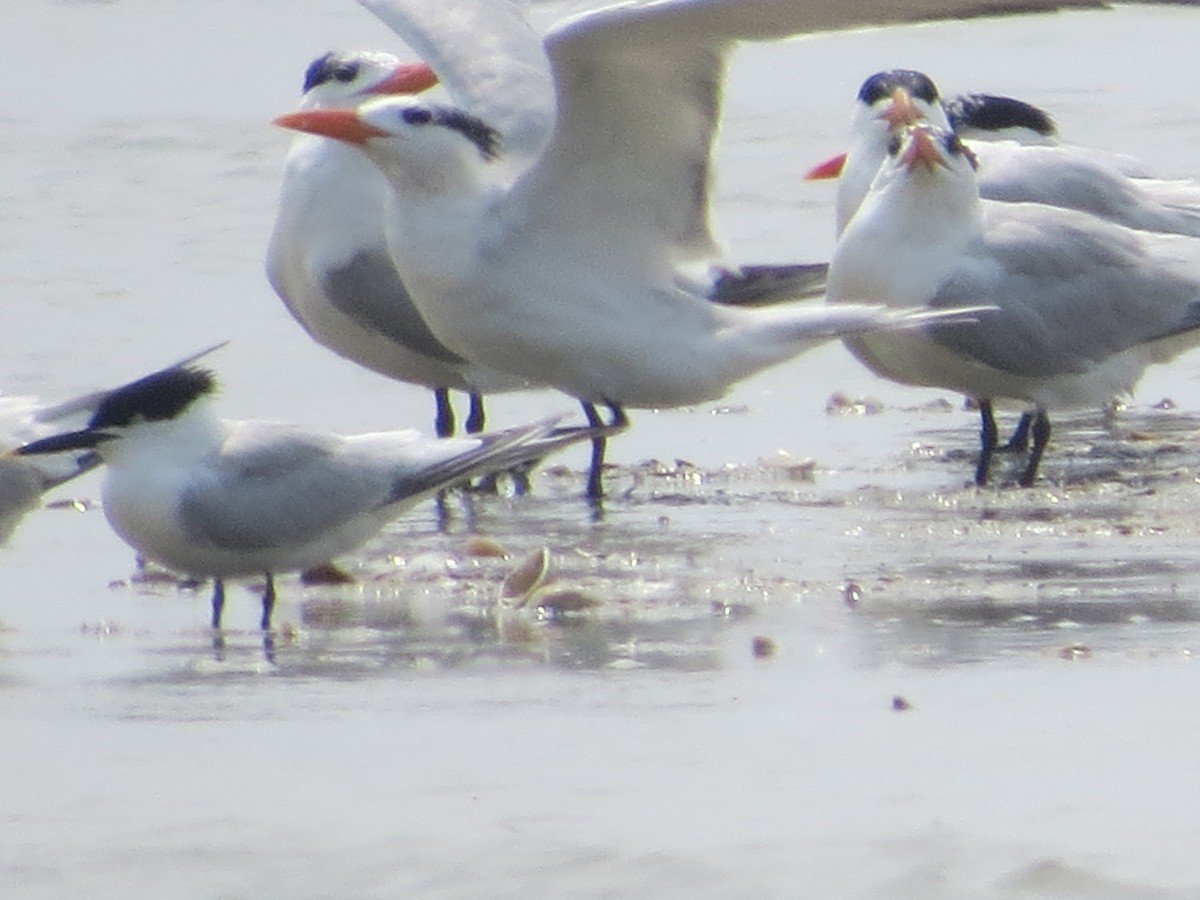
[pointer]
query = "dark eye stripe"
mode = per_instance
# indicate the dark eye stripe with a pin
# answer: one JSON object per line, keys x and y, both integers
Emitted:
{"x": 418, "y": 116}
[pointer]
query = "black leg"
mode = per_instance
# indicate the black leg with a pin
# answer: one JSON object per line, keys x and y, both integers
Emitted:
{"x": 269, "y": 647}
{"x": 1019, "y": 442}
{"x": 1041, "y": 437}
{"x": 444, "y": 422}
{"x": 218, "y": 601}
{"x": 443, "y": 512}
{"x": 987, "y": 441}
{"x": 487, "y": 484}
{"x": 619, "y": 419}
{"x": 520, "y": 479}
{"x": 475, "y": 417}
{"x": 268, "y": 603}
{"x": 595, "y": 482}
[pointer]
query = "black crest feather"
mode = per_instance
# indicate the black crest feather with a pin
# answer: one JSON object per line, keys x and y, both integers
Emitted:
{"x": 163, "y": 395}
{"x": 319, "y": 71}
{"x": 474, "y": 129}
{"x": 331, "y": 66}
{"x": 990, "y": 113}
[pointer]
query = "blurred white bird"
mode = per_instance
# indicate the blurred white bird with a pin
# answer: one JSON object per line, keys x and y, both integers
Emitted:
{"x": 1084, "y": 305}
{"x": 214, "y": 498}
{"x": 590, "y": 265}
{"x": 24, "y": 481}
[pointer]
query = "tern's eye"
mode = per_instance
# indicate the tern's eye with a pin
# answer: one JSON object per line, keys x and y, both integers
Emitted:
{"x": 893, "y": 146}
{"x": 346, "y": 72}
{"x": 417, "y": 116}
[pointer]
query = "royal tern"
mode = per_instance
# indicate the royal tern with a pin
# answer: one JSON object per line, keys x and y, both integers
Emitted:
{"x": 592, "y": 270}
{"x": 1030, "y": 169}
{"x": 215, "y": 498}
{"x": 327, "y": 256}
{"x": 1084, "y": 305}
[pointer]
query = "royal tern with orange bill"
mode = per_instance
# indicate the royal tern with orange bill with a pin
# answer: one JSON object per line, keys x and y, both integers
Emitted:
{"x": 1031, "y": 169}
{"x": 327, "y": 257}
{"x": 1083, "y": 305}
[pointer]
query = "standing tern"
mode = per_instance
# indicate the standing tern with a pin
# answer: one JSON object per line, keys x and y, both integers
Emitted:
{"x": 327, "y": 257}
{"x": 1033, "y": 169}
{"x": 215, "y": 498}
{"x": 590, "y": 270}
{"x": 1083, "y": 305}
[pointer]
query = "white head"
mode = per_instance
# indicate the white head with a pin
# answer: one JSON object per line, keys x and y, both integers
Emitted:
{"x": 931, "y": 171}
{"x": 346, "y": 79}
{"x": 418, "y": 145}
{"x": 887, "y": 103}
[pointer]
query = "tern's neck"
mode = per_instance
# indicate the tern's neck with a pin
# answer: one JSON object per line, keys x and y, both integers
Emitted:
{"x": 922, "y": 210}
{"x": 897, "y": 247}
{"x": 862, "y": 162}
{"x": 434, "y": 225}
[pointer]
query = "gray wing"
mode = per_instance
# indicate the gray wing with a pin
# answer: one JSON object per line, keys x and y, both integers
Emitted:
{"x": 275, "y": 486}
{"x": 1075, "y": 179}
{"x": 369, "y": 290}
{"x": 1071, "y": 290}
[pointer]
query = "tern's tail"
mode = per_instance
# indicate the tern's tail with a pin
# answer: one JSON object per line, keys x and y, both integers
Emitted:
{"x": 849, "y": 319}
{"x": 764, "y": 285}
{"x": 497, "y": 451}
{"x": 787, "y": 329}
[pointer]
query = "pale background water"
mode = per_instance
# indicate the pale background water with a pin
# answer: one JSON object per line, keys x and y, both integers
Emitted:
{"x": 408, "y": 742}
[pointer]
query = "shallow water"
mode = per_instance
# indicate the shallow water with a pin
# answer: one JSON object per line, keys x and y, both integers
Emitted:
{"x": 956, "y": 692}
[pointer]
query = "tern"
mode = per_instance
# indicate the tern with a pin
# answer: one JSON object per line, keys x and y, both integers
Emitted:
{"x": 24, "y": 481}
{"x": 591, "y": 268}
{"x": 1030, "y": 168}
{"x": 215, "y": 498}
{"x": 327, "y": 256}
{"x": 1083, "y": 305}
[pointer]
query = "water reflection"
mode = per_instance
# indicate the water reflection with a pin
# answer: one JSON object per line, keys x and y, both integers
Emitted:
{"x": 949, "y": 575}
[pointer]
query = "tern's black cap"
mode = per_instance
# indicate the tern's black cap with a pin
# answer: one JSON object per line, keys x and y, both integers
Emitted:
{"x": 154, "y": 398}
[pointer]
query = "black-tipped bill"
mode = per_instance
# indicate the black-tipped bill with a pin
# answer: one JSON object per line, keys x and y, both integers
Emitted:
{"x": 60, "y": 443}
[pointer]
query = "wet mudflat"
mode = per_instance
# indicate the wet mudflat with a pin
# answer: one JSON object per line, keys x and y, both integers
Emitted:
{"x": 796, "y": 653}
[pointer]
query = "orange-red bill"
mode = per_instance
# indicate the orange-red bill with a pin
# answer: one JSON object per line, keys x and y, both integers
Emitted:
{"x": 901, "y": 110}
{"x": 921, "y": 150}
{"x": 406, "y": 78}
{"x": 831, "y": 168}
{"x": 341, "y": 124}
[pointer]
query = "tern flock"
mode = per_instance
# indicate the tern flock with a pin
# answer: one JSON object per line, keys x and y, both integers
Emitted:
{"x": 541, "y": 218}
